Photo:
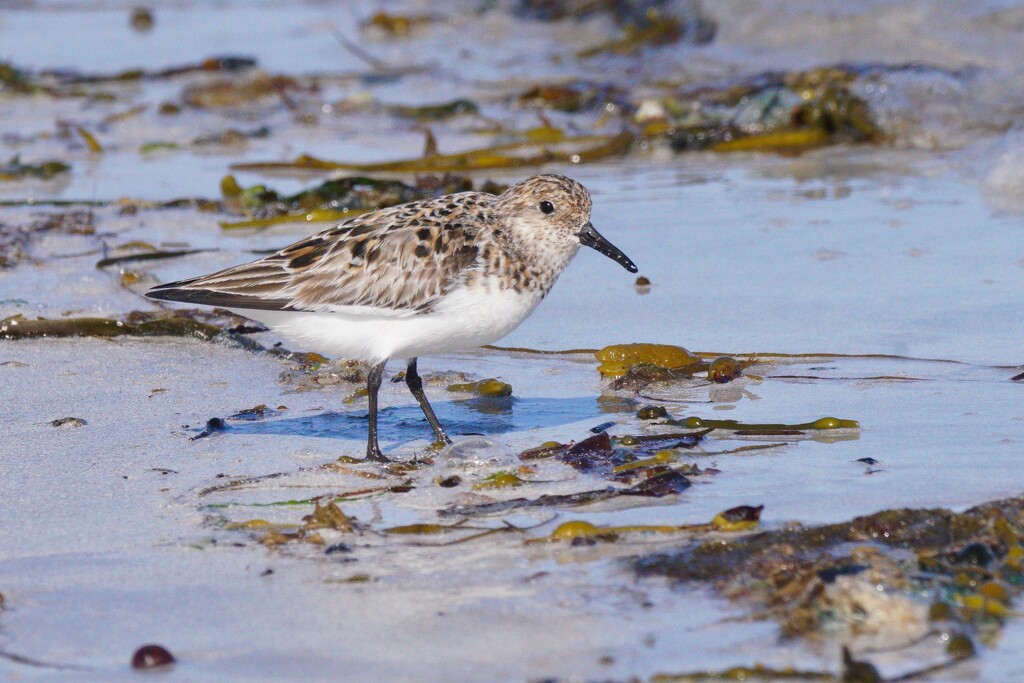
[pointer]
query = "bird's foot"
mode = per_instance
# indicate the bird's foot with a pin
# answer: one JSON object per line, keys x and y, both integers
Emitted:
{"x": 375, "y": 456}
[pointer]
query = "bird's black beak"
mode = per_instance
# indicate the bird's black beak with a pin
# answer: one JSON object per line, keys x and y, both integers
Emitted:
{"x": 590, "y": 237}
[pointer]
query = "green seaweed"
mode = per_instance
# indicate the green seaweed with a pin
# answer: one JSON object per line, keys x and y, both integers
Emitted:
{"x": 15, "y": 81}
{"x": 491, "y": 387}
{"x": 823, "y": 423}
{"x": 16, "y": 170}
{"x": 771, "y": 112}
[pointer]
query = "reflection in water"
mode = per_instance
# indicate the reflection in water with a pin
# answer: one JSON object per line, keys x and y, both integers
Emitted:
{"x": 406, "y": 423}
{"x": 613, "y": 403}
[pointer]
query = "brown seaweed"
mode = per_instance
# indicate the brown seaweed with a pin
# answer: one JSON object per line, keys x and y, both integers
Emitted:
{"x": 226, "y": 63}
{"x": 16, "y": 240}
{"x": 773, "y": 112}
{"x": 20, "y": 327}
{"x": 436, "y": 112}
{"x": 574, "y": 97}
{"x": 662, "y": 484}
{"x": 334, "y": 200}
{"x": 969, "y": 565}
{"x": 515, "y": 155}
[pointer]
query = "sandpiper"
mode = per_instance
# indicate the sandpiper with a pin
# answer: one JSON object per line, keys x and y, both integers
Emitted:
{"x": 427, "y": 277}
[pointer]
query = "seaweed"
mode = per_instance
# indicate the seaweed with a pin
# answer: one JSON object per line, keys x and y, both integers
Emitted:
{"x": 767, "y": 112}
{"x": 324, "y": 517}
{"x": 574, "y": 97}
{"x": 767, "y": 429}
{"x": 16, "y": 81}
{"x": 334, "y": 200}
{"x": 231, "y": 136}
{"x": 397, "y": 25}
{"x": 655, "y": 31}
{"x": 738, "y": 519}
{"x": 660, "y": 484}
{"x": 234, "y": 93}
{"x": 436, "y": 112}
{"x": 618, "y": 359}
{"x": 90, "y": 140}
{"x": 20, "y": 327}
{"x": 490, "y": 388}
{"x": 887, "y": 567}
{"x": 16, "y": 240}
{"x": 15, "y": 169}
{"x": 574, "y": 150}
{"x": 313, "y": 216}
{"x": 223, "y": 63}
{"x": 646, "y": 23}
{"x": 547, "y": 500}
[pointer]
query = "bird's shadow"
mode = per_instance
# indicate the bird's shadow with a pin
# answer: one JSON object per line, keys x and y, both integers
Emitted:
{"x": 489, "y": 416}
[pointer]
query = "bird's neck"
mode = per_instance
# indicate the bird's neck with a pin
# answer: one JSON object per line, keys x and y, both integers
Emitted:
{"x": 529, "y": 264}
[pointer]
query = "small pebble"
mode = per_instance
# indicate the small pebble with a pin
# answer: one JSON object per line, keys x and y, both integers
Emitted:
{"x": 724, "y": 369}
{"x": 652, "y": 412}
{"x": 169, "y": 109}
{"x": 151, "y": 657}
{"x": 142, "y": 19}
{"x": 960, "y": 647}
{"x": 338, "y": 548}
{"x": 68, "y": 422}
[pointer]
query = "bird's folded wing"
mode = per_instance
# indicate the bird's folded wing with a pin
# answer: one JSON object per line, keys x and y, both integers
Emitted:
{"x": 401, "y": 260}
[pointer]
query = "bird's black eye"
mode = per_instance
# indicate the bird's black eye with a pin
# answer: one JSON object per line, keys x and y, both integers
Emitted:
{"x": 546, "y": 207}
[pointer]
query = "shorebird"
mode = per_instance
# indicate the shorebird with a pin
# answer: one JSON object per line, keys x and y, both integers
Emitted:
{"x": 422, "y": 278}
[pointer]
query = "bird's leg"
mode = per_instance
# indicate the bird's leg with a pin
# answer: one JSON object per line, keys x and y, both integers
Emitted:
{"x": 415, "y": 384}
{"x": 373, "y": 379}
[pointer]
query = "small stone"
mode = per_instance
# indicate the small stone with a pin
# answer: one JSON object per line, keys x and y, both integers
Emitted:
{"x": 169, "y": 109}
{"x": 724, "y": 369}
{"x": 337, "y": 548}
{"x": 652, "y": 412}
{"x": 142, "y": 19}
{"x": 960, "y": 646}
{"x": 68, "y": 422}
{"x": 151, "y": 657}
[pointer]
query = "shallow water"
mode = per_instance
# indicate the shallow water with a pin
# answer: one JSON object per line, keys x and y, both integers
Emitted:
{"x": 914, "y": 251}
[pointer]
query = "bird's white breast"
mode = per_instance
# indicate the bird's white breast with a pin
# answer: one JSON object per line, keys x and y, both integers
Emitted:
{"x": 465, "y": 318}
